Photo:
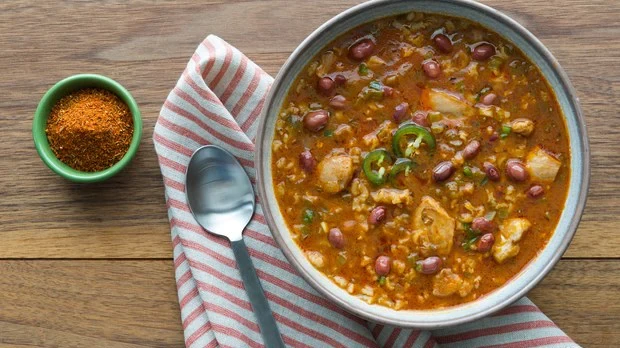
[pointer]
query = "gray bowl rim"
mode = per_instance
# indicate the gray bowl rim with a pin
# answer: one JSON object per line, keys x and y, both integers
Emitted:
{"x": 418, "y": 317}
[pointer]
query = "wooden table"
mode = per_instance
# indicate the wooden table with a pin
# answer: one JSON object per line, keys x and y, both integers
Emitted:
{"x": 90, "y": 266}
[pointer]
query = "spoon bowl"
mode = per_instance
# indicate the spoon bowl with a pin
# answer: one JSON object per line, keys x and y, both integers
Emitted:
{"x": 221, "y": 198}
{"x": 219, "y": 192}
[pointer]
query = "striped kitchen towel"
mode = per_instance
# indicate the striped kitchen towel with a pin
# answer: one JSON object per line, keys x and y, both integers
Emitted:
{"x": 217, "y": 100}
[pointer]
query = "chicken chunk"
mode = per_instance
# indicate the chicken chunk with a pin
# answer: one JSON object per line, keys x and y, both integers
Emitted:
{"x": 444, "y": 102}
{"x": 522, "y": 126}
{"x": 541, "y": 165}
{"x": 335, "y": 173}
{"x": 510, "y": 232}
{"x": 316, "y": 258}
{"x": 391, "y": 196}
{"x": 448, "y": 283}
{"x": 433, "y": 228}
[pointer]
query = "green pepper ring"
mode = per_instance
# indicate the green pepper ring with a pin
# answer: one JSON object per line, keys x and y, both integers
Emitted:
{"x": 376, "y": 156}
{"x": 408, "y": 129}
{"x": 401, "y": 164}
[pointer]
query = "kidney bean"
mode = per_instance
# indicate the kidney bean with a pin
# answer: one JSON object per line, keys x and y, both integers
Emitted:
{"x": 325, "y": 86}
{"x": 494, "y": 137}
{"x": 488, "y": 99}
{"x": 491, "y": 171}
{"x": 314, "y": 121}
{"x": 307, "y": 161}
{"x": 516, "y": 170}
{"x": 383, "y": 265}
{"x": 361, "y": 49}
{"x": 336, "y": 238}
{"x": 535, "y": 191}
{"x": 338, "y": 102}
{"x": 340, "y": 80}
{"x": 421, "y": 118}
{"x": 400, "y": 111}
{"x": 442, "y": 171}
{"x": 471, "y": 150}
{"x": 431, "y": 69}
{"x": 483, "y": 51}
{"x": 429, "y": 265}
{"x": 377, "y": 215}
{"x": 485, "y": 242}
{"x": 443, "y": 43}
{"x": 483, "y": 225}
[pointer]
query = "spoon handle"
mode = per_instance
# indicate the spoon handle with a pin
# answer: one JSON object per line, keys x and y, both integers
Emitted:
{"x": 266, "y": 322}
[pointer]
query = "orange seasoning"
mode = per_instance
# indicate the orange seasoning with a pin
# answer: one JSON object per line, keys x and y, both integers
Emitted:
{"x": 90, "y": 129}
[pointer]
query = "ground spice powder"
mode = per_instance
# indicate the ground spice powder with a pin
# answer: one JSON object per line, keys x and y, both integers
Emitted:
{"x": 90, "y": 129}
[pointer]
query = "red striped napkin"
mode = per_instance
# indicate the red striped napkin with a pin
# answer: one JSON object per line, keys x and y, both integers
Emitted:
{"x": 217, "y": 100}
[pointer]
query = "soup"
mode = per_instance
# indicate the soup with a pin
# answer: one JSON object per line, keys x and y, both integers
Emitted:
{"x": 420, "y": 161}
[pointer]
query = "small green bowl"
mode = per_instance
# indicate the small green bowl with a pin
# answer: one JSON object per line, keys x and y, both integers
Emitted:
{"x": 63, "y": 88}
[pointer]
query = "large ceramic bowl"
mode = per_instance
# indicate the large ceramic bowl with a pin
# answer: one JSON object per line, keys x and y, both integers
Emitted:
{"x": 532, "y": 273}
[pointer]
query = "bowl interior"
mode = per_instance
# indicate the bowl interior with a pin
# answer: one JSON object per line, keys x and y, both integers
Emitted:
{"x": 63, "y": 88}
{"x": 537, "y": 268}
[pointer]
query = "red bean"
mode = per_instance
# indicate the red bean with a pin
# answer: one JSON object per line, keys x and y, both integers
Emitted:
{"x": 494, "y": 137}
{"x": 338, "y": 102}
{"x": 483, "y": 51}
{"x": 314, "y": 121}
{"x": 307, "y": 161}
{"x": 516, "y": 171}
{"x": 489, "y": 99}
{"x": 325, "y": 86}
{"x": 431, "y": 69}
{"x": 429, "y": 265}
{"x": 383, "y": 265}
{"x": 535, "y": 191}
{"x": 377, "y": 215}
{"x": 442, "y": 171}
{"x": 491, "y": 171}
{"x": 336, "y": 238}
{"x": 485, "y": 242}
{"x": 483, "y": 225}
{"x": 340, "y": 80}
{"x": 471, "y": 150}
{"x": 361, "y": 49}
{"x": 443, "y": 43}
{"x": 421, "y": 118}
{"x": 400, "y": 111}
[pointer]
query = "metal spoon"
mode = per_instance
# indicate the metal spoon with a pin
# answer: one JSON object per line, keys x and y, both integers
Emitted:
{"x": 221, "y": 198}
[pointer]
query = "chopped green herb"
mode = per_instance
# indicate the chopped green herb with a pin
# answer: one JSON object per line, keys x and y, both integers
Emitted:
{"x": 382, "y": 280}
{"x": 328, "y": 133}
{"x": 376, "y": 85}
{"x": 484, "y": 181}
{"x": 482, "y": 92}
{"x": 471, "y": 237}
{"x": 363, "y": 69}
{"x": 467, "y": 172}
{"x": 308, "y": 216}
{"x": 506, "y": 129}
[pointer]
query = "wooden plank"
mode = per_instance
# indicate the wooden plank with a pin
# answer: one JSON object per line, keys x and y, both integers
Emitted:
{"x": 133, "y": 303}
{"x": 89, "y": 304}
{"x": 145, "y": 45}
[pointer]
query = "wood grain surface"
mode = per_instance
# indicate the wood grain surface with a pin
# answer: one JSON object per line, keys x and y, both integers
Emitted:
{"x": 90, "y": 266}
